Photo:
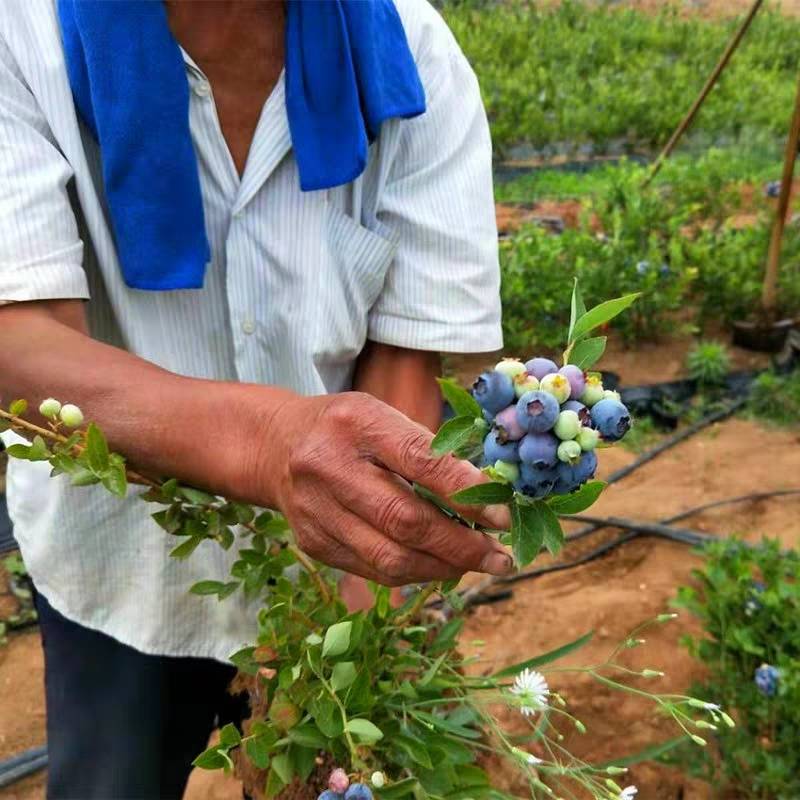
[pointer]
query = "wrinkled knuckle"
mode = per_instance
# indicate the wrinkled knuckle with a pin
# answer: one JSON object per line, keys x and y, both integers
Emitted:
{"x": 388, "y": 561}
{"x": 400, "y": 517}
{"x": 414, "y": 453}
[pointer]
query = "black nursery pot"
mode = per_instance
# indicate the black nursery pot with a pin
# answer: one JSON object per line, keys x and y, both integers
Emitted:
{"x": 761, "y": 336}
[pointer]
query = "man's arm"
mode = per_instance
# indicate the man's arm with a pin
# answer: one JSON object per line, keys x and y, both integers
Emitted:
{"x": 405, "y": 379}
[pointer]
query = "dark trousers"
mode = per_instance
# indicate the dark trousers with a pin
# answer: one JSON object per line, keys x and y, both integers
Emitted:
{"x": 122, "y": 725}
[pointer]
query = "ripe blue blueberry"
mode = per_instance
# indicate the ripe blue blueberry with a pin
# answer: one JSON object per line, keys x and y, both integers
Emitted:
{"x": 539, "y": 367}
{"x": 766, "y": 679}
{"x": 580, "y": 409}
{"x": 643, "y": 267}
{"x": 329, "y": 795}
{"x": 612, "y": 419}
{"x": 773, "y": 189}
{"x": 536, "y": 482}
{"x": 539, "y": 450}
{"x": 572, "y": 476}
{"x": 358, "y": 791}
{"x": 495, "y": 450}
{"x": 576, "y": 378}
{"x": 507, "y": 425}
{"x": 586, "y": 467}
{"x": 493, "y": 391}
{"x": 537, "y": 412}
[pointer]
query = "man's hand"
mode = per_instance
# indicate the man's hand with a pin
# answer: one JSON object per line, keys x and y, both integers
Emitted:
{"x": 340, "y": 469}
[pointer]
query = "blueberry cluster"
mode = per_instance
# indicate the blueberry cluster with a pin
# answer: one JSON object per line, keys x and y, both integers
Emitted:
{"x": 766, "y": 679}
{"x": 340, "y": 788}
{"x": 546, "y": 423}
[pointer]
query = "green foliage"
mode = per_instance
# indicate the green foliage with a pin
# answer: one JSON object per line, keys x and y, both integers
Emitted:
{"x": 708, "y": 363}
{"x": 775, "y": 399}
{"x": 578, "y": 73}
{"x": 642, "y": 436}
{"x": 748, "y": 601}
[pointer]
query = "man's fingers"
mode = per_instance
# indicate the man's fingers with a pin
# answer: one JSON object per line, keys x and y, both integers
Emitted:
{"x": 392, "y": 508}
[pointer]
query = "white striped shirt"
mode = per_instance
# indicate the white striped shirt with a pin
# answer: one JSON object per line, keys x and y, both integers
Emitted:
{"x": 405, "y": 255}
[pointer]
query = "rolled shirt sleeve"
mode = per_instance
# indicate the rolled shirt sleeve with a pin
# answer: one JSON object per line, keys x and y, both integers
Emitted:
{"x": 40, "y": 251}
{"x": 442, "y": 291}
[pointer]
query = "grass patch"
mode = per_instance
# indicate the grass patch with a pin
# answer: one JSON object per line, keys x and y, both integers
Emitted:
{"x": 775, "y": 399}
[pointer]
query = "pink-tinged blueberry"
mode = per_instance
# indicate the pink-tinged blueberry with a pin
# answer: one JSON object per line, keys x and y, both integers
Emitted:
{"x": 537, "y": 412}
{"x": 539, "y": 367}
{"x": 338, "y": 781}
{"x": 576, "y": 378}
{"x": 493, "y": 391}
{"x": 507, "y": 425}
{"x": 539, "y": 450}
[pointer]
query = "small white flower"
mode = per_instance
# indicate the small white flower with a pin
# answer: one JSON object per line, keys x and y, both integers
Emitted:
{"x": 528, "y": 758}
{"x": 531, "y": 690}
{"x": 628, "y": 793}
{"x": 714, "y": 708}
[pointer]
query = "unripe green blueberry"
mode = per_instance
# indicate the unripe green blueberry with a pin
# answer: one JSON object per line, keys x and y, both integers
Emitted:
{"x": 378, "y": 780}
{"x": 510, "y": 367}
{"x": 594, "y": 392}
{"x": 568, "y": 425}
{"x": 569, "y": 452}
{"x": 556, "y": 385}
{"x": 524, "y": 382}
{"x": 588, "y": 439}
{"x": 50, "y": 408}
{"x": 610, "y": 394}
{"x": 71, "y": 415}
{"x": 506, "y": 470}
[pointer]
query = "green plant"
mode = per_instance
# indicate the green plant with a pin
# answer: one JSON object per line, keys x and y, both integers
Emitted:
{"x": 386, "y": 690}
{"x": 748, "y": 599}
{"x": 708, "y": 363}
{"x": 775, "y": 399}
{"x": 642, "y": 436}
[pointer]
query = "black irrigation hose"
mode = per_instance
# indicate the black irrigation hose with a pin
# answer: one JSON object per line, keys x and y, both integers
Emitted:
{"x": 22, "y": 765}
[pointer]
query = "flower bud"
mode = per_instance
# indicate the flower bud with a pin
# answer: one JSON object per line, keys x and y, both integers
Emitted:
{"x": 378, "y": 780}
{"x": 652, "y": 673}
{"x": 579, "y": 726}
{"x": 50, "y": 408}
{"x": 699, "y": 740}
{"x": 613, "y": 786}
{"x": 726, "y": 718}
{"x": 616, "y": 770}
{"x": 71, "y": 415}
{"x": 666, "y": 617}
{"x": 701, "y": 723}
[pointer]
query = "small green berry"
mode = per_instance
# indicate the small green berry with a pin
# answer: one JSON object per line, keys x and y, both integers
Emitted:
{"x": 569, "y": 452}
{"x": 588, "y": 439}
{"x": 510, "y": 367}
{"x": 71, "y": 415}
{"x": 568, "y": 425}
{"x": 50, "y": 408}
{"x": 507, "y": 471}
{"x": 378, "y": 780}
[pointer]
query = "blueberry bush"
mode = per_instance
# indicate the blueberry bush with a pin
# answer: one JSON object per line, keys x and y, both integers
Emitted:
{"x": 347, "y": 705}
{"x": 748, "y": 601}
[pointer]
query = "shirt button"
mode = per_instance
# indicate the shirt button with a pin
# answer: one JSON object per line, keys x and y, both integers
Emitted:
{"x": 248, "y": 326}
{"x": 201, "y": 88}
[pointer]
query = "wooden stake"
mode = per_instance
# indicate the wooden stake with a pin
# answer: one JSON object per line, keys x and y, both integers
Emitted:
{"x": 706, "y": 90}
{"x": 769, "y": 296}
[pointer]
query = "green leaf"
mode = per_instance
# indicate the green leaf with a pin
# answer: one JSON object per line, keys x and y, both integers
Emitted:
{"x": 587, "y": 353}
{"x": 415, "y": 749}
{"x": 196, "y": 496}
{"x": 257, "y": 750}
{"x": 18, "y": 408}
{"x": 185, "y": 549}
{"x": 430, "y": 673}
{"x": 344, "y": 673}
{"x": 445, "y": 725}
{"x": 116, "y": 479}
{"x": 228, "y": 589}
{"x": 282, "y": 766}
{"x": 207, "y": 587}
{"x": 96, "y": 449}
{"x": 243, "y": 660}
{"x": 83, "y": 477}
{"x": 326, "y": 715}
{"x": 577, "y": 309}
{"x": 460, "y": 400}
{"x": 456, "y": 433}
{"x": 579, "y": 500}
{"x": 601, "y": 314}
{"x": 36, "y": 451}
{"x": 211, "y": 759}
{"x": 337, "y": 639}
{"x": 274, "y": 784}
{"x": 527, "y": 532}
{"x": 308, "y": 736}
{"x": 546, "y": 658}
{"x": 484, "y": 494}
{"x": 229, "y": 736}
{"x": 364, "y": 730}
{"x": 648, "y": 754}
{"x": 395, "y": 791}
{"x": 553, "y": 534}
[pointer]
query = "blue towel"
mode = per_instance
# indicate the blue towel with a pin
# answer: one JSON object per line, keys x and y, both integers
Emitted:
{"x": 348, "y": 69}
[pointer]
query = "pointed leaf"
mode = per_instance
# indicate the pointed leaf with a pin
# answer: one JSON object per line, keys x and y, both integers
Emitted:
{"x": 546, "y": 658}
{"x": 460, "y": 400}
{"x": 587, "y": 353}
{"x": 578, "y": 501}
{"x": 185, "y": 549}
{"x": 527, "y": 534}
{"x": 577, "y": 309}
{"x": 484, "y": 494}
{"x": 601, "y": 314}
{"x": 96, "y": 449}
{"x": 344, "y": 673}
{"x": 207, "y": 587}
{"x": 364, "y": 730}
{"x": 337, "y": 639}
{"x": 456, "y": 433}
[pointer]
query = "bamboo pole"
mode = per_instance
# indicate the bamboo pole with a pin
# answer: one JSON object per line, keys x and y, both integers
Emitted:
{"x": 769, "y": 295}
{"x": 705, "y": 91}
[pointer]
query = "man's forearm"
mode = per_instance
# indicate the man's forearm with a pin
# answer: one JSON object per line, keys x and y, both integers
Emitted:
{"x": 166, "y": 424}
{"x": 404, "y": 379}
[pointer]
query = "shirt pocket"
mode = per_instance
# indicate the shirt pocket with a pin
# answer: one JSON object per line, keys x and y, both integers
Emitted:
{"x": 353, "y": 266}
